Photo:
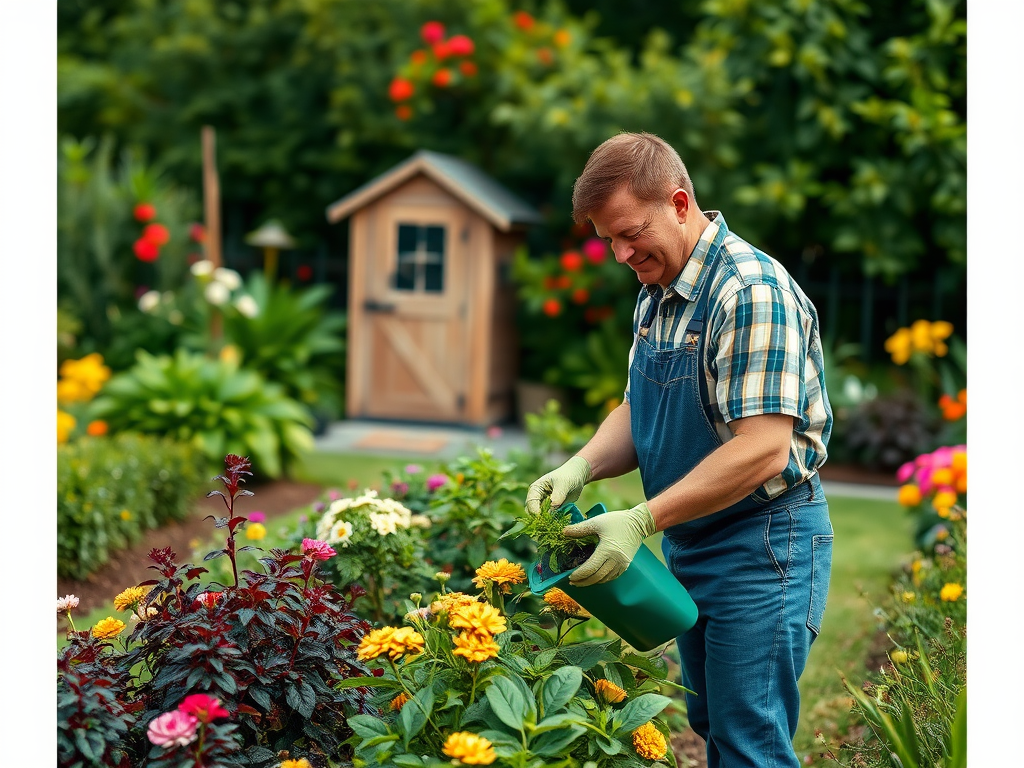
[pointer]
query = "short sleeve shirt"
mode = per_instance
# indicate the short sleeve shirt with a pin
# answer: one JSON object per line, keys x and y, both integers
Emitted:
{"x": 762, "y": 353}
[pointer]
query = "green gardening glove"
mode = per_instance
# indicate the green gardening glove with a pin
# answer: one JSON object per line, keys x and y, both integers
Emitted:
{"x": 564, "y": 485}
{"x": 620, "y": 535}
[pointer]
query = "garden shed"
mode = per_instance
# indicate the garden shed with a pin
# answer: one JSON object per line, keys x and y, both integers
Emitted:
{"x": 431, "y": 333}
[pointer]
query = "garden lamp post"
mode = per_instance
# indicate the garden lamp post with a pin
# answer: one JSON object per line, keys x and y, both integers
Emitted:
{"x": 272, "y": 237}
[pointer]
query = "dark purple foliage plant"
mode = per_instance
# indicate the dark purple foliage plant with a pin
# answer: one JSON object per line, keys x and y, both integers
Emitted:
{"x": 270, "y": 650}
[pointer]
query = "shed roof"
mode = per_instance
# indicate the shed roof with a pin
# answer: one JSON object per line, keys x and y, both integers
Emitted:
{"x": 464, "y": 180}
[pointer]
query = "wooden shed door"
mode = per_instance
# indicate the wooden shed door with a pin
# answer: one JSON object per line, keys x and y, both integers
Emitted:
{"x": 415, "y": 312}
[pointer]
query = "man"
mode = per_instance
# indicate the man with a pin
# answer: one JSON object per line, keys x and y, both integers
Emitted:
{"x": 727, "y": 418}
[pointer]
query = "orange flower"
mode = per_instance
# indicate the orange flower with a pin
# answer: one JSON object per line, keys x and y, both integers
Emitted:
{"x": 581, "y": 296}
{"x": 523, "y": 20}
{"x": 608, "y": 692}
{"x": 399, "y": 701}
{"x": 468, "y": 68}
{"x": 442, "y": 78}
{"x": 400, "y": 89}
{"x": 571, "y": 261}
{"x": 562, "y": 38}
{"x": 403, "y": 111}
{"x": 552, "y": 307}
{"x": 97, "y": 428}
{"x": 418, "y": 57}
{"x": 909, "y": 495}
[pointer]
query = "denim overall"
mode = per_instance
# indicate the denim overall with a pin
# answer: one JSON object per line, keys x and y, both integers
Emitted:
{"x": 757, "y": 570}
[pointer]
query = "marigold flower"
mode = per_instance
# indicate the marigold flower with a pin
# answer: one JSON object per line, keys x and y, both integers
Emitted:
{"x": 398, "y": 702}
{"x": 562, "y": 38}
{"x": 104, "y": 629}
{"x": 129, "y": 599}
{"x": 649, "y": 742}
{"x": 204, "y": 707}
{"x": 418, "y": 57}
{"x": 523, "y": 20}
{"x": 500, "y": 572}
{"x": 474, "y": 646}
{"x": 66, "y": 604}
{"x": 173, "y": 729}
{"x": 450, "y": 601}
{"x": 65, "y": 426}
{"x": 300, "y": 763}
{"x": 469, "y": 748}
{"x": 97, "y": 428}
{"x": 959, "y": 462}
{"x": 607, "y": 692}
{"x": 482, "y": 618}
{"x": 951, "y": 592}
{"x": 404, "y": 641}
{"x": 442, "y": 78}
{"x": 400, "y": 89}
{"x": 562, "y": 603}
{"x": 909, "y": 495}
{"x": 255, "y": 531}
{"x": 374, "y": 643}
{"x": 317, "y": 550}
{"x": 944, "y": 498}
{"x": 942, "y": 476}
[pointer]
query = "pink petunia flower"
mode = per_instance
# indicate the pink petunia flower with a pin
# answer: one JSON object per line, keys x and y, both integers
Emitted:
{"x": 412, "y": 469}
{"x": 257, "y": 517}
{"x": 318, "y": 550}
{"x": 436, "y": 481}
{"x": 904, "y": 473}
{"x": 204, "y": 707}
{"x": 173, "y": 729}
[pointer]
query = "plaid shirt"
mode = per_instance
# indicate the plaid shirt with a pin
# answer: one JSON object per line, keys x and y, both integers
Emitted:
{"x": 762, "y": 352}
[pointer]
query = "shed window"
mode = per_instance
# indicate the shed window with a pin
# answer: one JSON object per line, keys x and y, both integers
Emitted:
{"x": 420, "y": 258}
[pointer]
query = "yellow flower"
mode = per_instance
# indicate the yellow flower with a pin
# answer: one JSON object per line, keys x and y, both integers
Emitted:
{"x": 126, "y": 515}
{"x": 943, "y": 499}
{"x": 921, "y": 336}
{"x": 71, "y": 391}
{"x": 130, "y": 598}
{"x": 89, "y": 372}
{"x": 649, "y": 742}
{"x": 908, "y": 597}
{"x": 450, "y": 601}
{"x": 500, "y": 572}
{"x": 399, "y": 701}
{"x": 942, "y": 534}
{"x": 65, "y": 425}
{"x": 255, "y": 531}
{"x": 375, "y": 643}
{"x": 951, "y": 592}
{"x": 909, "y": 495}
{"x": 959, "y": 462}
{"x": 898, "y": 657}
{"x": 899, "y": 346}
{"x": 943, "y": 476}
{"x": 404, "y": 641}
{"x": 106, "y": 628}
{"x": 562, "y": 603}
{"x": 608, "y": 692}
{"x": 475, "y": 647}
{"x": 469, "y": 748}
{"x": 300, "y": 763}
{"x": 477, "y": 617}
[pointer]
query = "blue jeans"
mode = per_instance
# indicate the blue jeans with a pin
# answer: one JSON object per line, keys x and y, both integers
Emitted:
{"x": 760, "y": 580}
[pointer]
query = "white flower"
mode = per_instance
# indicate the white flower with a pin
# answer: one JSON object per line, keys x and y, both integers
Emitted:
{"x": 341, "y": 533}
{"x": 228, "y": 277}
{"x": 202, "y": 268}
{"x": 247, "y": 306}
{"x": 66, "y": 603}
{"x": 420, "y": 521}
{"x": 217, "y": 293}
{"x": 383, "y": 524}
{"x": 149, "y": 301}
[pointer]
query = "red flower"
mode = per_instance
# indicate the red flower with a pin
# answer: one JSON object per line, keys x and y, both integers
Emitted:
{"x": 460, "y": 45}
{"x": 441, "y": 51}
{"x": 442, "y": 78}
{"x": 571, "y": 261}
{"x": 145, "y": 250}
{"x": 418, "y": 57}
{"x": 545, "y": 56}
{"x": 403, "y": 111}
{"x": 400, "y": 89}
{"x": 468, "y": 68}
{"x": 157, "y": 234}
{"x": 595, "y": 249}
{"x": 581, "y": 296}
{"x": 203, "y": 707}
{"x": 523, "y": 20}
{"x": 144, "y": 212}
{"x": 304, "y": 271}
{"x": 552, "y": 307}
{"x": 197, "y": 232}
{"x": 432, "y": 32}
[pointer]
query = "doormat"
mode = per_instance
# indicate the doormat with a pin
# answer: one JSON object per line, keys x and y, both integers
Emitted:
{"x": 398, "y": 441}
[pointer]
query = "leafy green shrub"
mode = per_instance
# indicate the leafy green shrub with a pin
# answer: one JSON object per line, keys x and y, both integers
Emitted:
{"x": 112, "y": 489}
{"x": 269, "y": 650}
{"x": 215, "y": 404}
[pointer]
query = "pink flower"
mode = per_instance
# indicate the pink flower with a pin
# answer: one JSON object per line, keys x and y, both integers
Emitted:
{"x": 399, "y": 488}
{"x": 942, "y": 457}
{"x": 173, "y": 729}
{"x": 257, "y": 517}
{"x": 412, "y": 469}
{"x": 203, "y": 706}
{"x": 436, "y": 481}
{"x": 595, "y": 250}
{"x": 494, "y": 432}
{"x": 903, "y": 473}
{"x": 318, "y": 550}
{"x": 333, "y": 495}
{"x": 432, "y": 32}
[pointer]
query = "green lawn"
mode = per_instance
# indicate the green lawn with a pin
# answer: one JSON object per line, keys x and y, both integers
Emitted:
{"x": 871, "y": 538}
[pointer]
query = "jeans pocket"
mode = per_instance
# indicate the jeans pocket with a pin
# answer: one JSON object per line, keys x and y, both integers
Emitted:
{"x": 821, "y": 569}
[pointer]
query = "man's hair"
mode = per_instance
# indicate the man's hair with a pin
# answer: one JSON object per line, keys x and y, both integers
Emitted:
{"x": 648, "y": 166}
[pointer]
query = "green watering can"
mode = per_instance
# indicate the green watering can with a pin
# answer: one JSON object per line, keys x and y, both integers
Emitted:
{"x": 646, "y": 606}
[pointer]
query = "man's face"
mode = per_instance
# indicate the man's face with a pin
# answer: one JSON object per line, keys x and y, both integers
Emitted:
{"x": 649, "y": 237}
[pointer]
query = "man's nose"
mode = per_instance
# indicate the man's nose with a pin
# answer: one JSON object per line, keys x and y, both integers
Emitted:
{"x": 622, "y": 252}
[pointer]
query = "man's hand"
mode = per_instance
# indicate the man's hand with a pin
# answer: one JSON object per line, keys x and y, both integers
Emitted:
{"x": 620, "y": 535}
{"x": 563, "y": 485}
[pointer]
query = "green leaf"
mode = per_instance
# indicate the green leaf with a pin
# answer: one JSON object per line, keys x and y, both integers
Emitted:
{"x": 514, "y": 531}
{"x": 507, "y": 702}
{"x": 587, "y": 655}
{"x": 555, "y": 722}
{"x": 369, "y": 682}
{"x": 556, "y": 743}
{"x": 366, "y": 726}
{"x": 408, "y": 761}
{"x": 415, "y": 713}
{"x": 637, "y": 712}
{"x": 560, "y": 688}
{"x": 957, "y": 747}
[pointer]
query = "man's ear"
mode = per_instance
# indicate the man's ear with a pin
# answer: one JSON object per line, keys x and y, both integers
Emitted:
{"x": 681, "y": 202}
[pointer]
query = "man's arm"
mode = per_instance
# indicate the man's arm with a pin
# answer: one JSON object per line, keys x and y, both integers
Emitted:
{"x": 758, "y": 451}
{"x": 610, "y": 452}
